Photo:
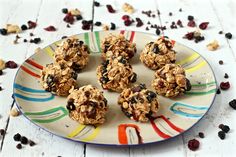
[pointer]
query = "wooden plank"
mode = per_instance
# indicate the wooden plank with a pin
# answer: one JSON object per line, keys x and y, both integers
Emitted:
{"x": 48, "y": 14}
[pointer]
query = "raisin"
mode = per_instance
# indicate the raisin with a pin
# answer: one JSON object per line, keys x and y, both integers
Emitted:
{"x": 133, "y": 78}
{"x": 221, "y": 62}
{"x": 228, "y": 35}
{"x": 50, "y": 29}
{"x": 203, "y": 25}
{"x": 110, "y": 9}
{"x": 97, "y": 4}
{"x": 79, "y": 17}
{"x": 158, "y": 32}
{"x": 2, "y": 132}
{"x": 220, "y": 32}
{"x": 23, "y": 140}
{"x": 179, "y": 23}
{"x": 17, "y": 137}
{"x": 225, "y": 128}
{"x": 24, "y": 27}
{"x": 193, "y": 144}
{"x": 31, "y": 24}
{"x": 170, "y": 13}
{"x": 98, "y": 23}
{"x": 190, "y": 18}
{"x": 69, "y": 18}
{"x": 226, "y": 76}
{"x": 113, "y": 26}
{"x": 125, "y": 17}
{"x": 232, "y": 104}
{"x": 221, "y": 135}
{"x": 128, "y": 22}
{"x": 224, "y": 85}
{"x": 191, "y": 24}
{"x": 31, "y": 143}
{"x": 11, "y": 65}
{"x": 1, "y": 72}
{"x": 18, "y": 146}
{"x": 64, "y": 10}
{"x": 3, "y": 31}
{"x": 201, "y": 135}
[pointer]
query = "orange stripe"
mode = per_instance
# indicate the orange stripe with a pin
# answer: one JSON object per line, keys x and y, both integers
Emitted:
{"x": 31, "y": 62}
{"x": 132, "y": 36}
{"x": 29, "y": 72}
{"x": 171, "y": 124}
{"x": 122, "y": 136}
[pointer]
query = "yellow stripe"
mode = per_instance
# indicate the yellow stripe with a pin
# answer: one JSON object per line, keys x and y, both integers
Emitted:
{"x": 49, "y": 51}
{"x": 76, "y": 131}
{"x": 196, "y": 67}
{"x": 188, "y": 59}
{"x": 92, "y": 136}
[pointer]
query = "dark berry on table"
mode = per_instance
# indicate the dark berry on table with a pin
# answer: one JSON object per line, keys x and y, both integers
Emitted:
{"x": 97, "y": 4}
{"x": 232, "y": 104}
{"x": 158, "y": 32}
{"x": 17, "y": 137}
{"x": 128, "y": 22}
{"x": 64, "y": 10}
{"x": 3, "y": 31}
{"x": 191, "y": 23}
{"x": 139, "y": 22}
{"x": 203, "y": 25}
{"x": 224, "y": 85}
{"x": 221, "y": 62}
{"x": 113, "y": 26}
{"x": 70, "y": 105}
{"x": 201, "y": 135}
{"x": 180, "y": 9}
{"x": 228, "y": 35}
{"x": 136, "y": 89}
{"x": 146, "y": 28}
{"x": 31, "y": 143}
{"x": 31, "y": 24}
{"x": 1, "y": 72}
{"x": 170, "y": 13}
{"x": 220, "y": 32}
{"x": 79, "y": 17}
{"x": 69, "y": 18}
{"x": 18, "y": 146}
{"x": 110, "y": 9}
{"x": 221, "y": 135}
{"x": 11, "y": 65}
{"x": 221, "y": 126}
{"x": 50, "y": 29}
{"x": 125, "y": 17}
{"x": 68, "y": 25}
{"x": 36, "y": 40}
{"x": 25, "y": 40}
{"x": 24, "y": 27}
{"x": 193, "y": 144}
{"x": 2, "y": 132}
{"x": 133, "y": 78}
{"x": 189, "y": 35}
{"x": 179, "y": 23}
{"x": 31, "y": 34}
{"x": 86, "y": 26}
{"x": 190, "y": 18}
{"x": 218, "y": 91}
{"x": 63, "y": 37}
{"x": 23, "y": 140}
{"x": 226, "y": 76}
{"x": 225, "y": 128}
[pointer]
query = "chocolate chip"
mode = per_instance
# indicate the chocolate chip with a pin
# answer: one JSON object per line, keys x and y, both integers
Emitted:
{"x": 24, "y": 27}
{"x": 0, "y": 88}
{"x": 226, "y": 76}
{"x": 25, "y": 40}
{"x": 97, "y": 4}
{"x": 64, "y": 10}
{"x": 158, "y": 32}
{"x": 180, "y": 9}
{"x": 170, "y": 13}
{"x": 221, "y": 135}
{"x": 228, "y": 35}
{"x": 17, "y": 137}
{"x": 123, "y": 60}
{"x": 18, "y": 146}
{"x": 113, "y": 26}
{"x": 3, "y": 31}
{"x": 23, "y": 140}
{"x": 104, "y": 80}
{"x": 79, "y": 17}
{"x": 155, "y": 49}
{"x": 220, "y": 32}
{"x": 31, "y": 143}
{"x": 142, "y": 86}
{"x": 98, "y": 23}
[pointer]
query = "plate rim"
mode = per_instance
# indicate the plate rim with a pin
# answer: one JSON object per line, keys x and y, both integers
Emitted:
{"x": 116, "y": 145}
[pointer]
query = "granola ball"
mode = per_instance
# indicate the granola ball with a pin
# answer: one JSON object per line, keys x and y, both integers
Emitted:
{"x": 117, "y": 45}
{"x": 157, "y": 54}
{"x": 87, "y": 105}
{"x": 138, "y": 103}
{"x": 74, "y": 52}
{"x": 58, "y": 79}
{"x": 116, "y": 74}
{"x": 170, "y": 81}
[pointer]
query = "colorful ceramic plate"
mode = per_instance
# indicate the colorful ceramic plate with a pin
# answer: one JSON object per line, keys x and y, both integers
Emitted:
{"x": 176, "y": 115}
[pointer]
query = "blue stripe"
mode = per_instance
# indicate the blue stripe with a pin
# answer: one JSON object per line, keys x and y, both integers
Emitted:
{"x": 33, "y": 99}
{"x": 26, "y": 89}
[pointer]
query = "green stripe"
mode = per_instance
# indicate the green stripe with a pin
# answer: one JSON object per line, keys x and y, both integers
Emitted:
{"x": 200, "y": 85}
{"x": 98, "y": 41}
{"x": 201, "y": 93}
{"x": 48, "y": 112}
{"x": 86, "y": 38}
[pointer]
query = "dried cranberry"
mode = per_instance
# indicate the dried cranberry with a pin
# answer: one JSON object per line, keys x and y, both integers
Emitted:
{"x": 50, "y": 28}
{"x": 11, "y": 64}
{"x": 224, "y": 85}
{"x": 179, "y": 23}
{"x": 31, "y": 24}
{"x": 203, "y": 25}
{"x": 125, "y": 17}
{"x": 86, "y": 26}
{"x": 220, "y": 32}
{"x": 69, "y": 18}
{"x": 128, "y": 22}
{"x": 110, "y": 9}
{"x": 191, "y": 24}
{"x": 189, "y": 35}
{"x": 193, "y": 144}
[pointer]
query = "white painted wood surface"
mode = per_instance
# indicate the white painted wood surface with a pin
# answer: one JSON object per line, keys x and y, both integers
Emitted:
{"x": 221, "y": 16}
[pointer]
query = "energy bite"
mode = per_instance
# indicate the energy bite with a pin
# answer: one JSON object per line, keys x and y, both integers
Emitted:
{"x": 138, "y": 103}
{"x": 117, "y": 45}
{"x": 87, "y": 105}
{"x": 74, "y": 52}
{"x": 58, "y": 79}
{"x": 157, "y": 54}
{"x": 116, "y": 74}
{"x": 170, "y": 81}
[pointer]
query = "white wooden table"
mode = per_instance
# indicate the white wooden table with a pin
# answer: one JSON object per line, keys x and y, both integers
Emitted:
{"x": 220, "y": 14}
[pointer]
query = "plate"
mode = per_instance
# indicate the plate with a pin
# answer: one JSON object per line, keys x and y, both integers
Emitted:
{"x": 175, "y": 116}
